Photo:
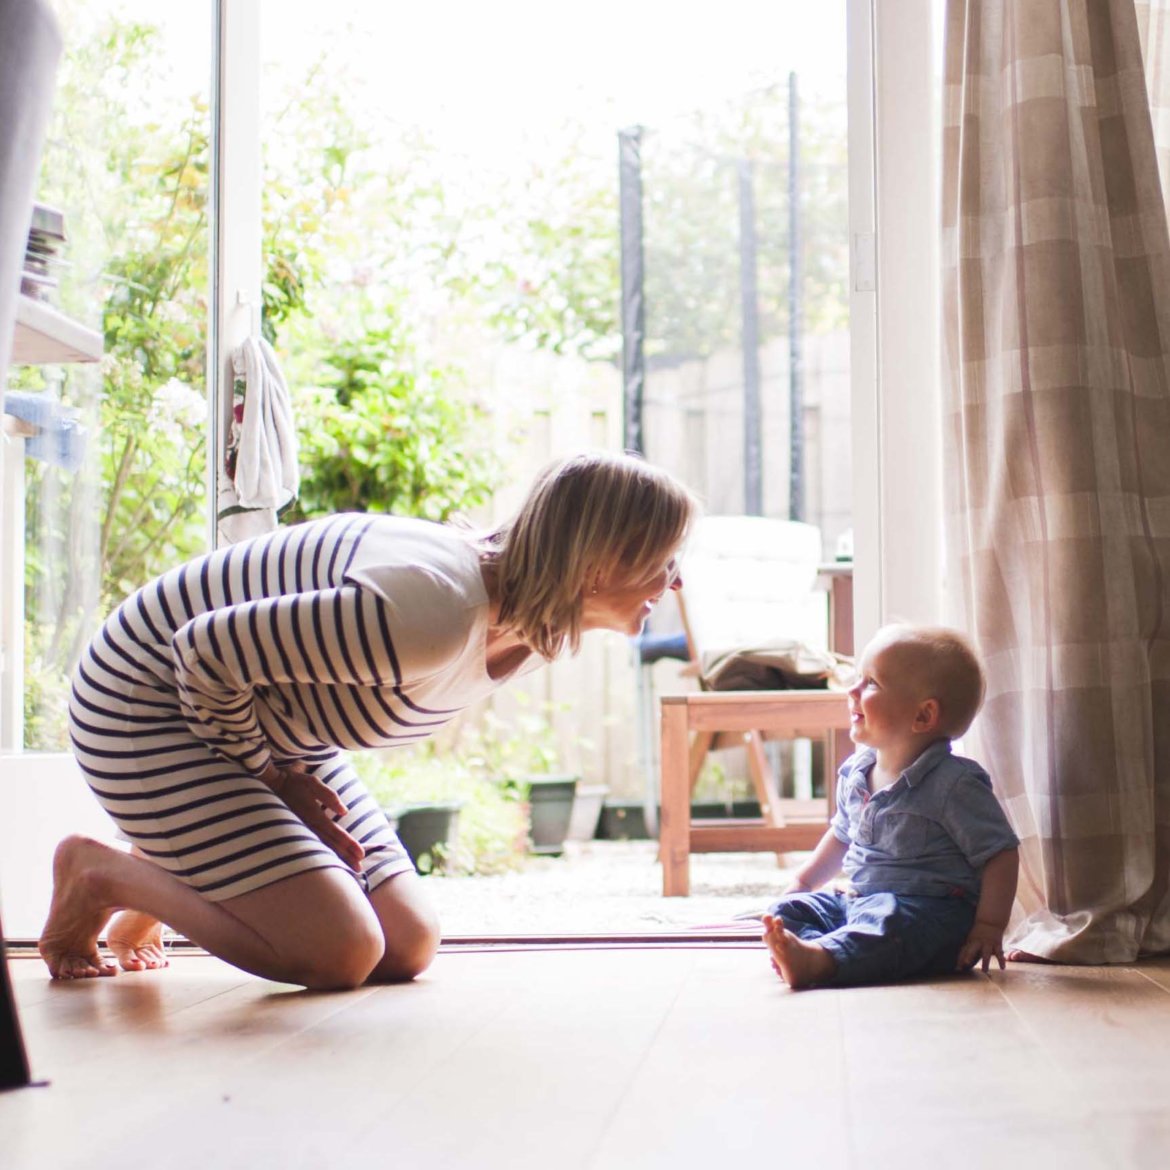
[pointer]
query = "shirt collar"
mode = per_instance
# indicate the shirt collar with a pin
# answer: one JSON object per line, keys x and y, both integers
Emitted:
{"x": 926, "y": 762}
{"x": 931, "y": 755}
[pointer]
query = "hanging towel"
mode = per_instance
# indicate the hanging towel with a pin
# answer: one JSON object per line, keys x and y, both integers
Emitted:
{"x": 262, "y": 473}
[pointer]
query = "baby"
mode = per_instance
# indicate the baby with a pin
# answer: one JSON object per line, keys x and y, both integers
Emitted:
{"x": 930, "y": 858}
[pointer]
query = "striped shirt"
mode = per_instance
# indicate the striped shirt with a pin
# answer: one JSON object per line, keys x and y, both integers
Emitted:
{"x": 345, "y": 633}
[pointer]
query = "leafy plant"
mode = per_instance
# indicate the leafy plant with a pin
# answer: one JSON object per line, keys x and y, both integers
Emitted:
{"x": 381, "y": 437}
{"x": 493, "y": 826}
{"x": 512, "y": 751}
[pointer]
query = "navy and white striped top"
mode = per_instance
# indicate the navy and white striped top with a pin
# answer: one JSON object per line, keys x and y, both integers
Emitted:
{"x": 351, "y": 632}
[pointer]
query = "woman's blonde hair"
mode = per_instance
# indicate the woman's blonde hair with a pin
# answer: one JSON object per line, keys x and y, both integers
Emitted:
{"x": 590, "y": 515}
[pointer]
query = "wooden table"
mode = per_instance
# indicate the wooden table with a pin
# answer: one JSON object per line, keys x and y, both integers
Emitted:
{"x": 786, "y": 713}
{"x": 739, "y": 711}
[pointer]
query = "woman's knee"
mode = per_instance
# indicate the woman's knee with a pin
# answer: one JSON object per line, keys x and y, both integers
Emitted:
{"x": 357, "y": 951}
{"x": 322, "y": 930}
{"x": 410, "y": 929}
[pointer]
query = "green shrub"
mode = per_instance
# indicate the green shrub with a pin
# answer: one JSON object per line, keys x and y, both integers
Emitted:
{"x": 493, "y": 824}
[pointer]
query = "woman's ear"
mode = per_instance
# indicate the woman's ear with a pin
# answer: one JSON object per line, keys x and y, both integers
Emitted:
{"x": 927, "y": 717}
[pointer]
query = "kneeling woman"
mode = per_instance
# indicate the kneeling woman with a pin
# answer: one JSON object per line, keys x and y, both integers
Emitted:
{"x": 208, "y": 713}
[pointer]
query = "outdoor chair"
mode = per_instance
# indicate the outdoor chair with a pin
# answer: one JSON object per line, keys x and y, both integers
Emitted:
{"x": 748, "y": 581}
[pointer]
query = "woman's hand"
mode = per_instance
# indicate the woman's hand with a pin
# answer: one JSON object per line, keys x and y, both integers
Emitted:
{"x": 313, "y": 800}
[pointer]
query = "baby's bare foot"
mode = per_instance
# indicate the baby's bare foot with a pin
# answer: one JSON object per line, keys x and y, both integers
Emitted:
{"x": 77, "y": 913}
{"x": 1026, "y": 957}
{"x": 798, "y": 963}
{"x": 136, "y": 940}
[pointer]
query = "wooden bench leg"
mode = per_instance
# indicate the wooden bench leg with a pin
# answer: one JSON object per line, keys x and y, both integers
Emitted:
{"x": 838, "y": 748}
{"x": 675, "y": 831}
{"x": 767, "y": 791}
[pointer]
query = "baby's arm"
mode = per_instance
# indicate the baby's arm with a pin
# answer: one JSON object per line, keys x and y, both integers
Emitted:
{"x": 996, "y": 896}
{"x": 822, "y": 866}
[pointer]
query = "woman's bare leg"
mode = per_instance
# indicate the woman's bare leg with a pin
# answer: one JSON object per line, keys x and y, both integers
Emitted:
{"x": 409, "y": 925}
{"x": 317, "y": 929}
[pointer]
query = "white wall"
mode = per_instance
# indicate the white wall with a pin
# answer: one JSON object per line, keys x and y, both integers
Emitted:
{"x": 44, "y": 799}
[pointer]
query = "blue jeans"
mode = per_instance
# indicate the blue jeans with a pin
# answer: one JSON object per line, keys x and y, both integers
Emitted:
{"x": 880, "y": 938}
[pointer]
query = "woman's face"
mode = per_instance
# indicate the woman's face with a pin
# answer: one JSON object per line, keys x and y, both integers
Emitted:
{"x": 616, "y": 603}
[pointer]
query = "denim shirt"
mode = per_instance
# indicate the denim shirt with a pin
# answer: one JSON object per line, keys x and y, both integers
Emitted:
{"x": 930, "y": 832}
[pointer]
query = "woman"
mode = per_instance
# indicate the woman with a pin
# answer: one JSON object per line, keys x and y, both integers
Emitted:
{"x": 208, "y": 712}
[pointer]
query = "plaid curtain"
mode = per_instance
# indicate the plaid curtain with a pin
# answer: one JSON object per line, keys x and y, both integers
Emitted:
{"x": 1056, "y": 286}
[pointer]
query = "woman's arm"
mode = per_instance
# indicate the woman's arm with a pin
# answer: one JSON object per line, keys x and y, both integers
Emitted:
{"x": 332, "y": 637}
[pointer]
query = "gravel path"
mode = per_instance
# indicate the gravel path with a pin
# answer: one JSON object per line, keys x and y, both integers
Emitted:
{"x": 606, "y": 886}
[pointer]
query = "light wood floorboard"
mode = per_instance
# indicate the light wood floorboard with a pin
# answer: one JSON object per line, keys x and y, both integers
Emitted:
{"x": 594, "y": 1059}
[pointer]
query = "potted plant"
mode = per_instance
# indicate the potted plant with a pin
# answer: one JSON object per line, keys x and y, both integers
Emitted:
{"x": 449, "y": 818}
{"x": 429, "y": 831}
{"x": 525, "y": 756}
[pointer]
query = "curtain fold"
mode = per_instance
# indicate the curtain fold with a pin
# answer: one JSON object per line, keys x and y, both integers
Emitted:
{"x": 1056, "y": 287}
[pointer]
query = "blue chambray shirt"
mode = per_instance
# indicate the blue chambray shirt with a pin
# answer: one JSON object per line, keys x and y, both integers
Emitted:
{"x": 930, "y": 832}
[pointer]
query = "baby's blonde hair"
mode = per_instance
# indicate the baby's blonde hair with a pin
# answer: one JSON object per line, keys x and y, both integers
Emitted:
{"x": 941, "y": 664}
{"x": 591, "y": 515}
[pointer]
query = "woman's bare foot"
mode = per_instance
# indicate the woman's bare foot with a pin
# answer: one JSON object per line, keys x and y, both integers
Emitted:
{"x": 136, "y": 940}
{"x": 77, "y": 912}
{"x": 798, "y": 963}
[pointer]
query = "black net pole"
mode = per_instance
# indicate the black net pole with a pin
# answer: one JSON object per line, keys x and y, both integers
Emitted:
{"x": 753, "y": 478}
{"x": 633, "y": 287}
{"x": 795, "y": 322}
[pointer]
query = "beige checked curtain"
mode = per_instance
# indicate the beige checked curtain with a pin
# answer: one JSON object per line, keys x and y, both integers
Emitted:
{"x": 1057, "y": 335}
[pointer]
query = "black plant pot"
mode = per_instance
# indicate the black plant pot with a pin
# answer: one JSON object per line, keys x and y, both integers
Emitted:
{"x": 423, "y": 827}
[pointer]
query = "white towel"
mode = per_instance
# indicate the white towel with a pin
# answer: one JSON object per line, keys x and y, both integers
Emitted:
{"x": 267, "y": 476}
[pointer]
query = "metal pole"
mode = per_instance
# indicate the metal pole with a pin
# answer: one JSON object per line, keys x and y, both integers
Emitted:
{"x": 633, "y": 287}
{"x": 795, "y": 324}
{"x": 753, "y": 479}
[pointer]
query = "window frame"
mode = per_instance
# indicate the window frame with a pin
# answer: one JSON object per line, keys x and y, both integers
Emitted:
{"x": 893, "y": 290}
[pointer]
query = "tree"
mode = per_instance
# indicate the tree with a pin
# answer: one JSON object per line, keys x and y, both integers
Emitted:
{"x": 386, "y": 439}
{"x": 559, "y": 288}
{"x": 130, "y": 162}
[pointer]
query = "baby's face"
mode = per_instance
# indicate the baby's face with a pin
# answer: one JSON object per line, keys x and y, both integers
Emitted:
{"x": 883, "y": 701}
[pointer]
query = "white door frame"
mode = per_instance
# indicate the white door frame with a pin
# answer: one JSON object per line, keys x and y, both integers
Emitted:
{"x": 894, "y": 318}
{"x": 237, "y": 232}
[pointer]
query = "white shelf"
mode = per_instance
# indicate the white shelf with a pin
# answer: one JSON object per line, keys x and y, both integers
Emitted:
{"x": 45, "y": 336}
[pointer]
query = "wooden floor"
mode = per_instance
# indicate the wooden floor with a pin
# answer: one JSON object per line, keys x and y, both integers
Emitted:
{"x": 593, "y": 1058}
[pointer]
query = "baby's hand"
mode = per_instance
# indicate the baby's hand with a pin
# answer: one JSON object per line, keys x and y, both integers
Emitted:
{"x": 985, "y": 940}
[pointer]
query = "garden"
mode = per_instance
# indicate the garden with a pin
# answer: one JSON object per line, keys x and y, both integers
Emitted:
{"x": 390, "y": 285}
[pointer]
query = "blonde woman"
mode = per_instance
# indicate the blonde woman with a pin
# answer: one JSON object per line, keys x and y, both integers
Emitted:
{"x": 209, "y": 712}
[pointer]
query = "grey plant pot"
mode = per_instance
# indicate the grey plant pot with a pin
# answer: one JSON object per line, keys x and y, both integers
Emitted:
{"x": 550, "y": 808}
{"x": 422, "y": 827}
{"x": 587, "y": 805}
